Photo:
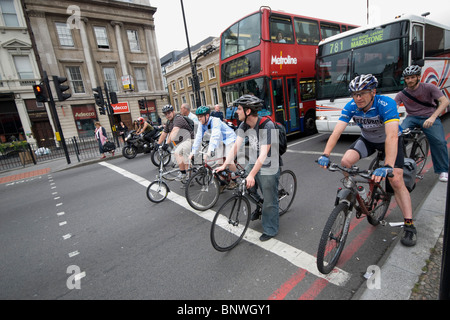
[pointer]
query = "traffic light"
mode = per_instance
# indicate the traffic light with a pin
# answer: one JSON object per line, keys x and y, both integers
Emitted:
{"x": 99, "y": 101}
{"x": 60, "y": 88}
{"x": 141, "y": 104}
{"x": 39, "y": 92}
{"x": 113, "y": 97}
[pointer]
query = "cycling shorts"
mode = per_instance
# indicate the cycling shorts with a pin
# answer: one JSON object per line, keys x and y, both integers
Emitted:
{"x": 366, "y": 148}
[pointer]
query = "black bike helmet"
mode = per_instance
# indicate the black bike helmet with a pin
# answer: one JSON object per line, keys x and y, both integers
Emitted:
{"x": 412, "y": 71}
{"x": 249, "y": 101}
{"x": 363, "y": 82}
{"x": 167, "y": 108}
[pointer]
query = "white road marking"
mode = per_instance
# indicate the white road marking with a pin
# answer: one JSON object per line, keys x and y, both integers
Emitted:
{"x": 73, "y": 254}
{"x": 294, "y": 255}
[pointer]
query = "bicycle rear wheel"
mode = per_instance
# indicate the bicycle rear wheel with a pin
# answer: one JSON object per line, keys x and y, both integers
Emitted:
{"x": 287, "y": 188}
{"x": 379, "y": 203}
{"x": 202, "y": 190}
{"x": 419, "y": 152}
{"x": 230, "y": 223}
{"x": 157, "y": 191}
{"x": 333, "y": 238}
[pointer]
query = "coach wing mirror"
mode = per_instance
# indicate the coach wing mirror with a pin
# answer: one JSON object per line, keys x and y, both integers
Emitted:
{"x": 417, "y": 53}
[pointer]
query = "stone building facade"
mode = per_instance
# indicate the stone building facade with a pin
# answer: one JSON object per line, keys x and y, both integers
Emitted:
{"x": 98, "y": 43}
{"x": 179, "y": 78}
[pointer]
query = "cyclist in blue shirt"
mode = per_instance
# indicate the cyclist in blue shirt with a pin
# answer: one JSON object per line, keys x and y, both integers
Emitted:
{"x": 221, "y": 135}
{"x": 378, "y": 118}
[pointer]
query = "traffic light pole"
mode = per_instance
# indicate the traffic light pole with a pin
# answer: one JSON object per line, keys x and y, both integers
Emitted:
{"x": 110, "y": 116}
{"x": 59, "y": 134}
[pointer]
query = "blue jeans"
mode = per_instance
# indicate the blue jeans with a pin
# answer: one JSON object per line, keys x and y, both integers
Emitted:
{"x": 268, "y": 184}
{"x": 436, "y": 138}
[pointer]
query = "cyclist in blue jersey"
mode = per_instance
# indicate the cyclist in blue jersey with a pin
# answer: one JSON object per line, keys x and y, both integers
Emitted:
{"x": 378, "y": 118}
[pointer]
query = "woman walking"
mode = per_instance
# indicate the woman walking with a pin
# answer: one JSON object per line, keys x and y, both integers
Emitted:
{"x": 100, "y": 135}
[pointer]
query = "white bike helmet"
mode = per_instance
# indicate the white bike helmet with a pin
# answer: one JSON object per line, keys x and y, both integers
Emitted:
{"x": 412, "y": 71}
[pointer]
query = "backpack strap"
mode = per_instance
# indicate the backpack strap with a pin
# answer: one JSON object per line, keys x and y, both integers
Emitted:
{"x": 426, "y": 104}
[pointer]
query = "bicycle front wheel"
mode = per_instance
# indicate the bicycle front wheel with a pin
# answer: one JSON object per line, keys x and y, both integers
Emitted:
{"x": 157, "y": 191}
{"x": 202, "y": 190}
{"x": 287, "y": 188}
{"x": 230, "y": 223}
{"x": 419, "y": 152}
{"x": 379, "y": 203}
{"x": 333, "y": 238}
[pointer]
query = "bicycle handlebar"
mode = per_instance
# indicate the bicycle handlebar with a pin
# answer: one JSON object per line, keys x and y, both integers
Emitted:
{"x": 353, "y": 171}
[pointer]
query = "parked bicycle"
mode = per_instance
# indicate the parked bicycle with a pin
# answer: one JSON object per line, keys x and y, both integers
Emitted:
{"x": 414, "y": 141}
{"x": 232, "y": 219}
{"x": 371, "y": 202}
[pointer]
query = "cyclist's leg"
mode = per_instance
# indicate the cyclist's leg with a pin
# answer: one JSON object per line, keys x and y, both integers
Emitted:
{"x": 268, "y": 183}
{"x": 360, "y": 149}
{"x": 438, "y": 146}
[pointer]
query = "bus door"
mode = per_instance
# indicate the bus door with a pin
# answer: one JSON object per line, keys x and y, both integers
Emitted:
{"x": 285, "y": 99}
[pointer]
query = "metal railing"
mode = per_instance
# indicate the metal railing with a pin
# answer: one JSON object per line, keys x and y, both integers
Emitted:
{"x": 79, "y": 149}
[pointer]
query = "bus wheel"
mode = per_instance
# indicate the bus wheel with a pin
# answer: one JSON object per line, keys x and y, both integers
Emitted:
{"x": 310, "y": 123}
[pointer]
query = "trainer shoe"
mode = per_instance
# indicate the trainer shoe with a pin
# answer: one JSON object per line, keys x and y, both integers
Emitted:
{"x": 443, "y": 176}
{"x": 265, "y": 237}
{"x": 409, "y": 237}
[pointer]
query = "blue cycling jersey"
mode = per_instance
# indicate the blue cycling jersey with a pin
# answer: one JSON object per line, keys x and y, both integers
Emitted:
{"x": 383, "y": 110}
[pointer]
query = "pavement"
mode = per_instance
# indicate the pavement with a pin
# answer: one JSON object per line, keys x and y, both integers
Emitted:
{"x": 405, "y": 273}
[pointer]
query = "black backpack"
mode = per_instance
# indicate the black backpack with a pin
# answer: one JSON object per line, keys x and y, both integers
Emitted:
{"x": 282, "y": 138}
{"x": 189, "y": 121}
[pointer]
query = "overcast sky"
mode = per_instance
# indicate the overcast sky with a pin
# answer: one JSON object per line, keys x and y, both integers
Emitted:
{"x": 206, "y": 18}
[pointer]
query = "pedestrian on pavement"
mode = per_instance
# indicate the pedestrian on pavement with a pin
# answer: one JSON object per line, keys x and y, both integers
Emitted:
{"x": 100, "y": 135}
{"x": 418, "y": 99}
{"x": 123, "y": 129}
{"x": 264, "y": 173}
{"x": 380, "y": 133}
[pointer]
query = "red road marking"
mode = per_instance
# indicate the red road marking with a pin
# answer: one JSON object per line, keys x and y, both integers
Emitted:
{"x": 25, "y": 175}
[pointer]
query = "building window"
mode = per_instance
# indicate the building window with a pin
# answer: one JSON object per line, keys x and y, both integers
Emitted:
{"x": 212, "y": 73}
{"x": 76, "y": 81}
{"x": 200, "y": 77}
{"x": 141, "y": 79}
{"x": 102, "y": 37}
{"x": 174, "y": 87}
{"x": 133, "y": 40}
{"x": 111, "y": 79}
{"x": 181, "y": 84}
{"x": 64, "y": 35}
{"x": 23, "y": 67}
{"x": 215, "y": 96}
{"x": 9, "y": 14}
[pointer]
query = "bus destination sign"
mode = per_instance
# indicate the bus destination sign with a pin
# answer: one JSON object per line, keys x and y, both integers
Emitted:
{"x": 355, "y": 41}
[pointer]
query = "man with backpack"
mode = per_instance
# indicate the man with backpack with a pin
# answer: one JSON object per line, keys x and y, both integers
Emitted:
{"x": 179, "y": 130}
{"x": 265, "y": 160}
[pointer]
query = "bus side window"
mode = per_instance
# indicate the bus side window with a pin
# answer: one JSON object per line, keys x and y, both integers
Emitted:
{"x": 307, "y": 90}
{"x": 281, "y": 30}
{"x": 307, "y": 31}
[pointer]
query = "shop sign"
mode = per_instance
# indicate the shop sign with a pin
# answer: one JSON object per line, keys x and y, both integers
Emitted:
{"x": 121, "y": 107}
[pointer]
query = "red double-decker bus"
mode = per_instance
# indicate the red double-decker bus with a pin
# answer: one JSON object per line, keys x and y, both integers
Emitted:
{"x": 272, "y": 55}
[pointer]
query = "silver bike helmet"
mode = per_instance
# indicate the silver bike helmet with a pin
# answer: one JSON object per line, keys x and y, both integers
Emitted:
{"x": 167, "y": 108}
{"x": 249, "y": 101}
{"x": 412, "y": 71}
{"x": 363, "y": 82}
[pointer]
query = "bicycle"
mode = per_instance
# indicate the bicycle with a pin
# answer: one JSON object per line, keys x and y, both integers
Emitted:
{"x": 232, "y": 219}
{"x": 418, "y": 150}
{"x": 204, "y": 187}
{"x": 158, "y": 190}
{"x": 372, "y": 203}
